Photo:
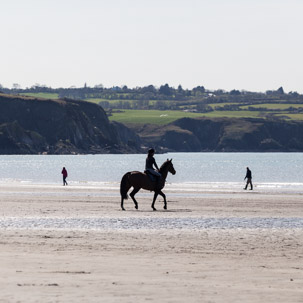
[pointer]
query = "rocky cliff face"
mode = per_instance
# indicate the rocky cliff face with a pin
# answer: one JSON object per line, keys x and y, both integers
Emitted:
{"x": 31, "y": 126}
{"x": 239, "y": 135}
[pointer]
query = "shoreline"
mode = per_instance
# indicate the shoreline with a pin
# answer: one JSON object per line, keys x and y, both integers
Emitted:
{"x": 207, "y": 186}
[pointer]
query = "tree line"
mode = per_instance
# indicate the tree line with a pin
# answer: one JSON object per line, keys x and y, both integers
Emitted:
{"x": 163, "y": 97}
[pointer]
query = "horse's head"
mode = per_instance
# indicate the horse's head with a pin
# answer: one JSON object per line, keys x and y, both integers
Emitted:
{"x": 170, "y": 167}
{"x": 167, "y": 166}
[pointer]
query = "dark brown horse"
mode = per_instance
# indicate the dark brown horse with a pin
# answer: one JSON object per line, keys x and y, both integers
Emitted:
{"x": 139, "y": 180}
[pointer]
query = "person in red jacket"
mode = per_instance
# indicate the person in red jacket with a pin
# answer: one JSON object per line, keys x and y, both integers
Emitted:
{"x": 64, "y": 173}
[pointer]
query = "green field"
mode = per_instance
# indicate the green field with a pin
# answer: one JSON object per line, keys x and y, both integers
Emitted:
{"x": 162, "y": 117}
{"x": 150, "y": 116}
{"x": 214, "y": 105}
{"x": 278, "y": 106}
{"x": 292, "y": 116}
{"x": 165, "y": 117}
{"x": 42, "y": 95}
{"x": 117, "y": 101}
{"x": 233, "y": 114}
{"x": 98, "y": 100}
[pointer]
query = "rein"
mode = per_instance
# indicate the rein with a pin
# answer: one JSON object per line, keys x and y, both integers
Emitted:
{"x": 163, "y": 169}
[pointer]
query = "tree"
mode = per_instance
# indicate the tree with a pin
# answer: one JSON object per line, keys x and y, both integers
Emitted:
{"x": 125, "y": 89}
{"x": 16, "y": 86}
{"x": 99, "y": 86}
{"x": 148, "y": 89}
{"x": 294, "y": 94}
{"x": 165, "y": 90}
{"x": 235, "y": 92}
{"x": 199, "y": 89}
{"x": 280, "y": 91}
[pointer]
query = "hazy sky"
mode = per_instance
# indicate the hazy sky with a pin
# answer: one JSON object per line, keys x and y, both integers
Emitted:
{"x": 254, "y": 45}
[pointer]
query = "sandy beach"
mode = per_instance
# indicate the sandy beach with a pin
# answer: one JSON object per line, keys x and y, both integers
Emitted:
{"x": 74, "y": 244}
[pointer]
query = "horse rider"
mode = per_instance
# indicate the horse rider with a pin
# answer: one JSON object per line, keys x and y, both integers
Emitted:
{"x": 149, "y": 166}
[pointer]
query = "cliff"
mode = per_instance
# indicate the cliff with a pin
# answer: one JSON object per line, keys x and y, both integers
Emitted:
{"x": 31, "y": 126}
{"x": 223, "y": 134}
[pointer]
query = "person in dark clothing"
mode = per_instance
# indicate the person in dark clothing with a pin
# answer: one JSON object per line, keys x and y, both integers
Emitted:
{"x": 248, "y": 177}
{"x": 150, "y": 163}
{"x": 64, "y": 173}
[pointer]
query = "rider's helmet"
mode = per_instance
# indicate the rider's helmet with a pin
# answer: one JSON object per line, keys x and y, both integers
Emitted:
{"x": 151, "y": 151}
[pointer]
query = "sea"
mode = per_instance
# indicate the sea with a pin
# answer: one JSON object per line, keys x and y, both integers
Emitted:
{"x": 196, "y": 174}
{"x": 195, "y": 171}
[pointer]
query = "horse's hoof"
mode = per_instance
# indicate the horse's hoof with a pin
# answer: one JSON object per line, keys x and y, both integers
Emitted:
{"x": 136, "y": 206}
{"x": 165, "y": 207}
{"x": 123, "y": 208}
{"x": 154, "y": 209}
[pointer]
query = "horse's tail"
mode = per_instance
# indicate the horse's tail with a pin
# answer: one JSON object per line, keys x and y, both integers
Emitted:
{"x": 125, "y": 186}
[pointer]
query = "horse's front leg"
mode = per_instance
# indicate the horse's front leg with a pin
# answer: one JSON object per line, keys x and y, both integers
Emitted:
{"x": 154, "y": 200}
{"x": 164, "y": 197}
{"x": 132, "y": 194}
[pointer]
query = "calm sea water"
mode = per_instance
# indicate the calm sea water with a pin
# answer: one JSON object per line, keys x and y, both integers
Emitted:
{"x": 269, "y": 169}
{"x": 272, "y": 172}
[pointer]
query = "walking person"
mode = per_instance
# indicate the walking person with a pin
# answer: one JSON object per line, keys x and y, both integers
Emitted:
{"x": 64, "y": 173}
{"x": 248, "y": 177}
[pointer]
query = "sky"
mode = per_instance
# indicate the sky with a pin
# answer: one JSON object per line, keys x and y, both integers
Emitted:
{"x": 253, "y": 45}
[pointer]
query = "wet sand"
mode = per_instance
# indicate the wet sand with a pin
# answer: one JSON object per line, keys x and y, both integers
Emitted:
{"x": 175, "y": 264}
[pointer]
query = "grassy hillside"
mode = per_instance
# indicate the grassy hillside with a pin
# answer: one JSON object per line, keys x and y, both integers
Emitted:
{"x": 42, "y": 95}
{"x": 131, "y": 102}
{"x": 149, "y": 116}
{"x": 98, "y": 100}
{"x": 165, "y": 117}
{"x": 294, "y": 117}
{"x": 274, "y": 106}
{"x": 142, "y": 114}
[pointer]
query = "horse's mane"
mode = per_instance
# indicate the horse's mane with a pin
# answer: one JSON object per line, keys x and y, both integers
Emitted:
{"x": 163, "y": 166}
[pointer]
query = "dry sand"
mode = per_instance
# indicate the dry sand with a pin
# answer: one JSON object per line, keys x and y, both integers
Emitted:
{"x": 148, "y": 264}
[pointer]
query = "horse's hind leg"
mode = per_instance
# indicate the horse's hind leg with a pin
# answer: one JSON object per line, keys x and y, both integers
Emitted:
{"x": 122, "y": 207}
{"x": 164, "y": 197}
{"x": 132, "y": 194}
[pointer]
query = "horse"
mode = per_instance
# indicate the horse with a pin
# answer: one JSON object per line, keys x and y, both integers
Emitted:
{"x": 139, "y": 180}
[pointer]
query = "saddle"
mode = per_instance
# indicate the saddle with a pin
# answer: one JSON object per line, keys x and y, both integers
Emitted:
{"x": 152, "y": 177}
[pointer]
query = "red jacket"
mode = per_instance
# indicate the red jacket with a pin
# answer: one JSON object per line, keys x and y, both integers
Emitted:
{"x": 64, "y": 172}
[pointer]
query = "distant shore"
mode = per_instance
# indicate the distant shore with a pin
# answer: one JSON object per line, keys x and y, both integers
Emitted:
{"x": 85, "y": 260}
